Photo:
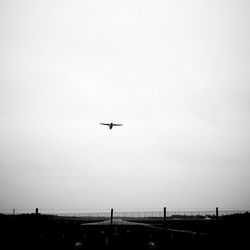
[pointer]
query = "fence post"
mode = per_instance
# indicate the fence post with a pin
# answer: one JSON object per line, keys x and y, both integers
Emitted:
{"x": 111, "y": 219}
{"x": 37, "y": 228}
{"x": 165, "y": 216}
{"x": 109, "y": 241}
{"x": 217, "y": 226}
{"x": 217, "y": 214}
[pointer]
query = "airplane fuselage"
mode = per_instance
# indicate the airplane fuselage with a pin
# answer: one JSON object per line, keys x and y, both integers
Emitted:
{"x": 111, "y": 125}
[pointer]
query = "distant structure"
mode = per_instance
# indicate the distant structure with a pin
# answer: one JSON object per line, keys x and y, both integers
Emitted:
{"x": 111, "y": 125}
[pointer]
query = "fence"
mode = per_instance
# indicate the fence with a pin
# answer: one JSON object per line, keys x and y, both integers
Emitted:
{"x": 126, "y": 213}
{"x": 120, "y": 228}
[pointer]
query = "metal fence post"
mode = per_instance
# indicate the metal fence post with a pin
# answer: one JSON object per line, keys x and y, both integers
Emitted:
{"x": 217, "y": 214}
{"x": 111, "y": 219}
{"x": 109, "y": 241}
{"x": 165, "y": 216}
{"x": 217, "y": 226}
{"x": 37, "y": 228}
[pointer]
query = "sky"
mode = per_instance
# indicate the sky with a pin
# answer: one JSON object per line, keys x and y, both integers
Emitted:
{"x": 174, "y": 73}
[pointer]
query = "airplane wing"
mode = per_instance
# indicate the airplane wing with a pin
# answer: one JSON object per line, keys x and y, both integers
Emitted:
{"x": 105, "y": 124}
{"x": 115, "y": 124}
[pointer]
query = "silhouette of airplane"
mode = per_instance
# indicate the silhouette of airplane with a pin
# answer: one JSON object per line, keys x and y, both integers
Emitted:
{"x": 111, "y": 124}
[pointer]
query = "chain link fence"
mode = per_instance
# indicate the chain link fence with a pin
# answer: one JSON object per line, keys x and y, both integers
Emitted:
{"x": 127, "y": 213}
{"x": 70, "y": 229}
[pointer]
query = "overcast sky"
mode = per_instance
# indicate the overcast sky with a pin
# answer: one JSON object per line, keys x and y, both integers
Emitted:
{"x": 175, "y": 73}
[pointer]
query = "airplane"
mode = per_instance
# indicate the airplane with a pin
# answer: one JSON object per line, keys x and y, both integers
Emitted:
{"x": 111, "y": 124}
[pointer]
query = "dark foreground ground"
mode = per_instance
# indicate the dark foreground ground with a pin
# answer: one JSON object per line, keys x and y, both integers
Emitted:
{"x": 35, "y": 231}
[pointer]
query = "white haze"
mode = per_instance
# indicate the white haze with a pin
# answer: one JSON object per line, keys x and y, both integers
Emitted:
{"x": 175, "y": 73}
